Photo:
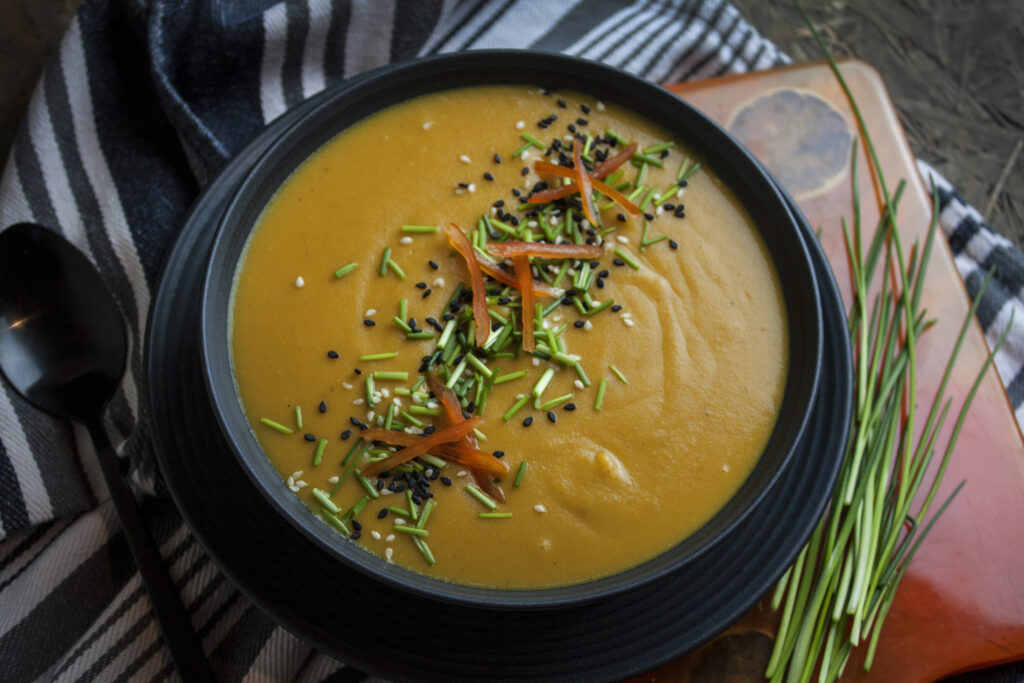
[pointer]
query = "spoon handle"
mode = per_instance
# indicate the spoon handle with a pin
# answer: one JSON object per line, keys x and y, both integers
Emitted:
{"x": 180, "y": 636}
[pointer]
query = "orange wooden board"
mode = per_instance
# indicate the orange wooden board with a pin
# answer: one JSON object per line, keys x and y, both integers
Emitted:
{"x": 961, "y": 604}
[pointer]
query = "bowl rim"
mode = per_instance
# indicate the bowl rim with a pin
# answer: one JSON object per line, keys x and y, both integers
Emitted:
{"x": 353, "y": 101}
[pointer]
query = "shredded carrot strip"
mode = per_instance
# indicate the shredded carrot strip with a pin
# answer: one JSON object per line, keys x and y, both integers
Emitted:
{"x": 458, "y": 239}
{"x": 544, "y": 250}
{"x": 585, "y": 187}
{"x": 618, "y": 197}
{"x": 602, "y": 171}
{"x": 473, "y": 458}
{"x": 539, "y": 288}
{"x": 446, "y": 435}
{"x": 452, "y": 408}
{"x": 521, "y": 263}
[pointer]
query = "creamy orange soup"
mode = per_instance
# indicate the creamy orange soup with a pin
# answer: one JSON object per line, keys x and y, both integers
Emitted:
{"x": 655, "y": 412}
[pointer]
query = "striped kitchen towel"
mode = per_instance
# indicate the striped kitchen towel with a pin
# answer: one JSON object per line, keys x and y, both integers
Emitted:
{"x": 144, "y": 103}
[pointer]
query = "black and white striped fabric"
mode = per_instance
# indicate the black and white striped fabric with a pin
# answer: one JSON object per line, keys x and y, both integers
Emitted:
{"x": 143, "y": 104}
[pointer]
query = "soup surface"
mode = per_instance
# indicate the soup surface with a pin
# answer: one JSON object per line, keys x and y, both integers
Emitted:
{"x": 656, "y": 376}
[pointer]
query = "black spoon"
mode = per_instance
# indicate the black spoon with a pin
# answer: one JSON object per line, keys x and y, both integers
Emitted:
{"x": 63, "y": 347}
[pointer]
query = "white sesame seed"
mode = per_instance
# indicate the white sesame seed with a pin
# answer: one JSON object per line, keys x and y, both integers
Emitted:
{"x": 531, "y": 224}
{"x": 494, "y": 211}
{"x": 520, "y": 125}
{"x": 679, "y": 193}
{"x": 660, "y": 210}
{"x": 388, "y": 552}
{"x": 431, "y": 404}
{"x": 540, "y": 508}
{"x": 438, "y": 282}
{"x": 622, "y": 239}
{"x": 369, "y": 312}
{"x": 299, "y": 282}
{"x": 460, "y": 190}
{"x": 346, "y": 385}
{"x": 600, "y": 105}
{"x": 397, "y": 401}
{"x": 568, "y": 138}
{"x": 386, "y": 393}
{"x": 301, "y": 484}
{"x": 628, "y": 322}
{"x": 297, "y": 473}
{"x": 465, "y": 159}
{"x": 291, "y": 481}
{"x": 333, "y": 480}
{"x": 399, "y": 521}
{"x": 557, "y": 318}
{"x": 587, "y": 325}
{"x": 625, "y": 314}
{"x": 536, "y": 362}
{"x": 375, "y": 534}
{"x": 553, "y": 220}
{"x": 462, "y": 473}
{"x": 358, "y": 402}
{"x": 725, "y": 467}
{"x": 472, "y": 187}
{"x": 579, "y": 384}
{"x": 525, "y": 156}
{"x": 389, "y": 538}
{"x": 294, "y": 488}
{"x": 370, "y": 415}
{"x": 427, "y": 125}
{"x": 406, "y": 240}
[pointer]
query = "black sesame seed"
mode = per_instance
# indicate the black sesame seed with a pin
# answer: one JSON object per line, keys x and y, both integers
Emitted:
{"x": 423, "y": 368}
{"x": 543, "y": 124}
{"x": 682, "y": 183}
{"x": 578, "y": 324}
{"x": 569, "y": 406}
{"x": 595, "y": 264}
{"x": 369, "y": 323}
{"x": 524, "y": 171}
{"x": 585, "y": 109}
{"x": 345, "y": 434}
{"x": 516, "y": 192}
{"x": 680, "y": 212}
{"x": 332, "y": 354}
{"x": 433, "y": 265}
{"x": 604, "y": 273}
{"x": 649, "y": 216}
{"x": 572, "y": 128}
{"x": 669, "y": 206}
{"x": 599, "y": 282}
{"x": 616, "y": 308}
{"x": 514, "y": 221}
{"x": 497, "y": 158}
{"x": 463, "y": 184}
{"x": 561, "y": 103}
{"x": 421, "y": 285}
{"x": 355, "y": 422}
{"x": 673, "y": 244}
{"x": 621, "y": 217}
{"x": 383, "y": 512}
{"x": 355, "y": 535}
{"x": 499, "y": 454}
{"x": 619, "y": 262}
{"x": 380, "y": 484}
{"x": 356, "y": 525}
{"x": 447, "y": 316}
{"x": 309, "y": 437}
{"x": 358, "y": 371}
{"x": 664, "y": 153}
{"x": 323, "y": 406}
{"x": 591, "y": 240}
{"x": 446, "y": 481}
{"x": 581, "y": 122}
{"x": 498, "y": 204}
{"x": 429, "y": 429}
{"x": 488, "y": 176}
{"x": 528, "y": 421}
{"x": 552, "y": 417}
{"x": 416, "y": 499}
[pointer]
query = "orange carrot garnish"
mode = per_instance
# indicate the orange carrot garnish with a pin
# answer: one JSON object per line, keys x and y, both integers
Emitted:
{"x": 539, "y": 288}
{"x": 602, "y": 171}
{"x": 471, "y": 458}
{"x": 589, "y": 210}
{"x": 521, "y": 263}
{"x": 425, "y": 444}
{"x": 562, "y": 171}
{"x": 544, "y": 250}
{"x": 458, "y": 239}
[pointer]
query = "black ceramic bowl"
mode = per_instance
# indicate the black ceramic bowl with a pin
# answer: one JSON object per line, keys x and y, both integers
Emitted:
{"x": 393, "y": 84}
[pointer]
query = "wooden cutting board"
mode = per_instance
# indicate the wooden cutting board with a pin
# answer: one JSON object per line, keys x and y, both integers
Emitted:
{"x": 961, "y": 604}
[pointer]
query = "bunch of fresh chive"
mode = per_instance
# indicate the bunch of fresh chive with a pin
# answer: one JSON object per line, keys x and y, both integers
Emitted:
{"x": 843, "y": 583}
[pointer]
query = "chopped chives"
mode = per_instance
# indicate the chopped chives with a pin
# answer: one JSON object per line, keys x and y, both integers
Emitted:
{"x": 583, "y": 376}
{"x": 428, "y": 507}
{"x": 424, "y": 550}
{"x": 609, "y": 133}
{"x": 403, "y": 309}
{"x": 350, "y": 461}
{"x": 659, "y": 238}
{"x": 532, "y": 140}
{"x": 510, "y": 413}
{"x": 370, "y": 390}
{"x": 542, "y": 383}
{"x": 519, "y": 474}
{"x": 337, "y": 523}
{"x": 298, "y": 417}
{"x": 516, "y": 154}
{"x": 412, "y": 506}
{"x": 384, "y": 261}
{"x": 276, "y": 425}
{"x": 401, "y": 512}
{"x": 419, "y": 228}
{"x": 562, "y": 270}
{"x": 648, "y": 159}
{"x": 627, "y": 258}
{"x": 395, "y": 376}
{"x": 636, "y": 192}
{"x": 395, "y": 267}
{"x": 484, "y": 499}
{"x": 419, "y": 383}
{"x": 659, "y": 148}
{"x": 357, "y": 508}
{"x": 556, "y": 402}
{"x": 370, "y": 489}
{"x": 494, "y": 515}
{"x": 401, "y": 323}
{"x": 419, "y": 334}
{"x": 449, "y": 327}
{"x": 479, "y": 365}
{"x": 319, "y": 454}
{"x": 345, "y": 270}
{"x": 666, "y": 195}
{"x": 618, "y": 373}
{"x": 600, "y": 307}
{"x": 480, "y": 435}
{"x": 326, "y": 501}
{"x": 390, "y": 416}
{"x": 510, "y": 376}
{"x": 379, "y": 356}
{"x": 602, "y": 385}
{"x": 457, "y": 372}
{"x": 423, "y": 410}
{"x": 647, "y": 198}
{"x": 686, "y": 170}
{"x": 433, "y": 460}
{"x": 411, "y": 530}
